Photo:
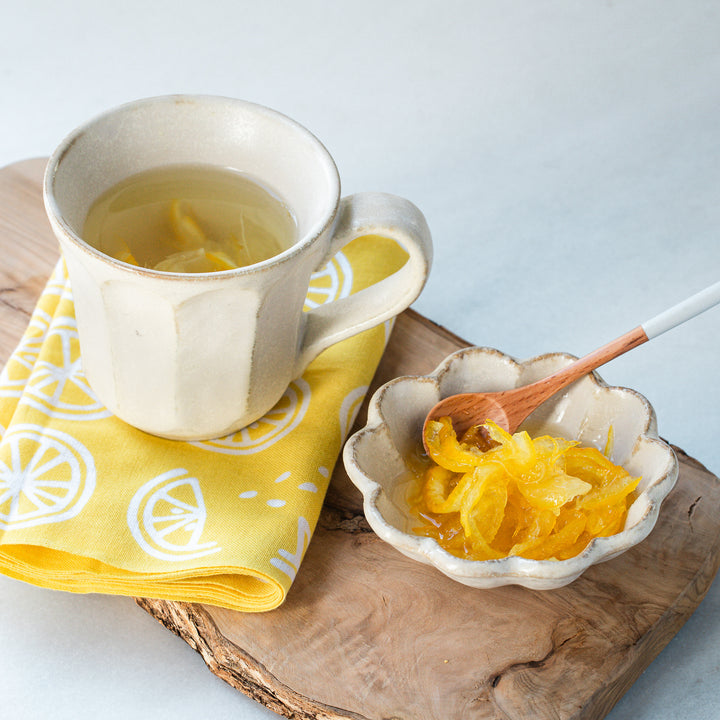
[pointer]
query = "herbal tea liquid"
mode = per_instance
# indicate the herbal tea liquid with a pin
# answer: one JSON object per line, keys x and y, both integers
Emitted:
{"x": 189, "y": 218}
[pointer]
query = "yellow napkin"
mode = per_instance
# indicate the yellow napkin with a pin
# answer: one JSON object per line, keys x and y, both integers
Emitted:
{"x": 90, "y": 504}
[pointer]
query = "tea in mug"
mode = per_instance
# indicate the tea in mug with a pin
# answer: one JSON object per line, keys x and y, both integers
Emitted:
{"x": 190, "y": 219}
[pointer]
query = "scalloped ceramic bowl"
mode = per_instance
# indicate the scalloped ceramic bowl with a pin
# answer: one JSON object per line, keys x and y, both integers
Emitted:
{"x": 375, "y": 458}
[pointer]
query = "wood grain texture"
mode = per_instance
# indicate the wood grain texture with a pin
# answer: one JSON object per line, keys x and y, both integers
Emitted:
{"x": 366, "y": 633}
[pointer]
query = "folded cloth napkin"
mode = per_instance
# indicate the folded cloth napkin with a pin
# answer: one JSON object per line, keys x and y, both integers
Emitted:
{"x": 91, "y": 504}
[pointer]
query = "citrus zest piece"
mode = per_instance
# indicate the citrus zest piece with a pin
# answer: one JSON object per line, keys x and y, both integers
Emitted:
{"x": 119, "y": 249}
{"x": 437, "y": 488}
{"x": 185, "y": 261}
{"x": 186, "y": 229}
{"x": 239, "y": 245}
{"x": 564, "y": 538}
{"x": 239, "y": 250}
{"x": 445, "y": 450}
{"x": 220, "y": 260}
{"x": 482, "y": 513}
{"x": 124, "y": 253}
{"x": 609, "y": 443}
{"x": 493, "y": 494}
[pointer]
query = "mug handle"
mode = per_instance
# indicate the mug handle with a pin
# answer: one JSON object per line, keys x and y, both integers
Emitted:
{"x": 370, "y": 214}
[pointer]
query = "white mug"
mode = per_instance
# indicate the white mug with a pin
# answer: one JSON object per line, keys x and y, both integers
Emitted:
{"x": 193, "y": 356}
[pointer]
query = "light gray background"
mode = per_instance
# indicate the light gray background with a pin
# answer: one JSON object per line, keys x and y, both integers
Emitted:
{"x": 567, "y": 157}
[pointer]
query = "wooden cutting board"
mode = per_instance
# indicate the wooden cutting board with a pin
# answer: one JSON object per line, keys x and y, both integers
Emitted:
{"x": 367, "y": 633}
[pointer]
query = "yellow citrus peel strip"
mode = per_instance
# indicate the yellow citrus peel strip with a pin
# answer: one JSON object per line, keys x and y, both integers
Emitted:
{"x": 191, "y": 250}
{"x": 195, "y": 252}
{"x": 544, "y": 498}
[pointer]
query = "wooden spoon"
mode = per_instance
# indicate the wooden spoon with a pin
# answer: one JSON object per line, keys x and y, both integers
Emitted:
{"x": 509, "y": 408}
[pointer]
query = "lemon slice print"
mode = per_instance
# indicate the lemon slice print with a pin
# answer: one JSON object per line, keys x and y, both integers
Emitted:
{"x": 167, "y": 517}
{"x": 350, "y": 408}
{"x": 334, "y": 280}
{"x": 59, "y": 388}
{"x": 59, "y": 284}
{"x": 16, "y": 372}
{"x": 46, "y": 476}
{"x": 289, "y": 562}
{"x": 270, "y": 428}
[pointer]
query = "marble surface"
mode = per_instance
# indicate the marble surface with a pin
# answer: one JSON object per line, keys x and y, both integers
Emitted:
{"x": 567, "y": 157}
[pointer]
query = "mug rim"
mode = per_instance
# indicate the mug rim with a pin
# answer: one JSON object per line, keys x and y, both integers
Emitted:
{"x": 59, "y": 222}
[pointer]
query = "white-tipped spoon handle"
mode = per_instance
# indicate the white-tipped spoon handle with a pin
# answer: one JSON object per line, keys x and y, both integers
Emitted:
{"x": 694, "y": 305}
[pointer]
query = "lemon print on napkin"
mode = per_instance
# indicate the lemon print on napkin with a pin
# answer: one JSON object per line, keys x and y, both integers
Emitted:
{"x": 91, "y": 504}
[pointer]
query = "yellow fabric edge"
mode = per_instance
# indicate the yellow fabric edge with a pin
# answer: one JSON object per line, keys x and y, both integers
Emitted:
{"x": 232, "y": 587}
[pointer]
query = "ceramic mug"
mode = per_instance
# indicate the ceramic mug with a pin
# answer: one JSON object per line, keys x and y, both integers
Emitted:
{"x": 193, "y": 356}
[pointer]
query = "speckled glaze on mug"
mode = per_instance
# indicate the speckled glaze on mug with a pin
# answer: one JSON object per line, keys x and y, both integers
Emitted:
{"x": 200, "y": 355}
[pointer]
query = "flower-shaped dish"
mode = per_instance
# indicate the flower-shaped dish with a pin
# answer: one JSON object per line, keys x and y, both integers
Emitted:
{"x": 376, "y": 458}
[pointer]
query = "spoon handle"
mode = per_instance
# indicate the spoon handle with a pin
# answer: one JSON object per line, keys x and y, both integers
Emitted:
{"x": 670, "y": 318}
{"x": 546, "y": 387}
{"x": 677, "y": 314}
{"x": 510, "y": 408}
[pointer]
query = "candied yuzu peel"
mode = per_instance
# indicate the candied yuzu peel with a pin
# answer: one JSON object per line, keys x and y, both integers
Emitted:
{"x": 490, "y": 494}
{"x": 194, "y": 252}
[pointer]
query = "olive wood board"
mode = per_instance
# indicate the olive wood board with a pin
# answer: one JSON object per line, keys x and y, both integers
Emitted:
{"x": 368, "y": 633}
